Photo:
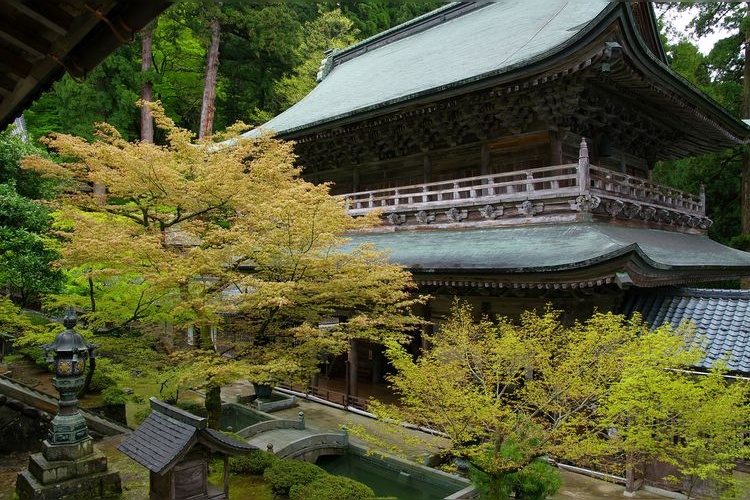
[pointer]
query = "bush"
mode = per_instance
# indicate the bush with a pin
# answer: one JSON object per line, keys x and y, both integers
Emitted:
{"x": 536, "y": 481}
{"x": 114, "y": 396}
{"x": 284, "y": 474}
{"x": 104, "y": 374}
{"x": 141, "y": 415}
{"x": 198, "y": 409}
{"x": 254, "y": 463}
{"x": 331, "y": 488}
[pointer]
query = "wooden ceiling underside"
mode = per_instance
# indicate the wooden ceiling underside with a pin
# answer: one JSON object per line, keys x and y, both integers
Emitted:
{"x": 41, "y": 39}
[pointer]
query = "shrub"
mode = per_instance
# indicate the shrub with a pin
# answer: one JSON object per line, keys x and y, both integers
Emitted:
{"x": 284, "y": 474}
{"x": 536, "y": 481}
{"x": 331, "y": 488}
{"x": 255, "y": 462}
{"x": 104, "y": 374}
{"x": 114, "y": 396}
{"x": 140, "y": 415}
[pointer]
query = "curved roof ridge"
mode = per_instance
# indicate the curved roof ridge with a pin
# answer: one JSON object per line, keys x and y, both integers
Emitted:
{"x": 336, "y": 57}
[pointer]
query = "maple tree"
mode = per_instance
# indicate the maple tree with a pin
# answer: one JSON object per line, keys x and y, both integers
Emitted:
{"x": 205, "y": 233}
{"x": 508, "y": 393}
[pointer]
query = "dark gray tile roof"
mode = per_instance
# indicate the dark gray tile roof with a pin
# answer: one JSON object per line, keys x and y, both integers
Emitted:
{"x": 549, "y": 247}
{"x": 159, "y": 441}
{"x": 722, "y": 318}
{"x": 169, "y": 432}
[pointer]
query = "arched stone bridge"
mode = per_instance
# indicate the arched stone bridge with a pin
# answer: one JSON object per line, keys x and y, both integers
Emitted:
{"x": 290, "y": 439}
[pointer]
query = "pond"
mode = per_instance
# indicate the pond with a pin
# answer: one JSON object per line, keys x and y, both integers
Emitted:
{"x": 391, "y": 478}
{"x": 235, "y": 417}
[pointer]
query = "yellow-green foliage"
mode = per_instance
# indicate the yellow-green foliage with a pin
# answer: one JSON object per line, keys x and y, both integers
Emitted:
{"x": 182, "y": 224}
{"x": 605, "y": 386}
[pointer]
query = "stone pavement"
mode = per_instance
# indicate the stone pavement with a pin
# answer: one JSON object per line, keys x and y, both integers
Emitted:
{"x": 413, "y": 444}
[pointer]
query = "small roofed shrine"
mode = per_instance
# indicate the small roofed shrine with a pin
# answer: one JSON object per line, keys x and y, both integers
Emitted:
{"x": 508, "y": 147}
{"x": 176, "y": 446}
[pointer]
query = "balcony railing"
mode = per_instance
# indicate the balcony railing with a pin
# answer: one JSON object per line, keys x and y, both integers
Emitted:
{"x": 547, "y": 184}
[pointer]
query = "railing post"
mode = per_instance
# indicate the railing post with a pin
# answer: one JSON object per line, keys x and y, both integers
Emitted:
{"x": 529, "y": 182}
{"x": 301, "y": 417}
{"x": 584, "y": 173}
{"x": 345, "y": 436}
{"x": 702, "y": 195}
{"x": 371, "y": 200}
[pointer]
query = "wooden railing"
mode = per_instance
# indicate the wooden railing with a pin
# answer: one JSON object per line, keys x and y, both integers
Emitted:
{"x": 546, "y": 182}
{"x": 629, "y": 188}
{"x": 554, "y": 182}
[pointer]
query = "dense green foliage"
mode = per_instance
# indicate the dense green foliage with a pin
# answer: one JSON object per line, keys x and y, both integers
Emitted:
{"x": 269, "y": 55}
{"x": 331, "y": 488}
{"x": 26, "y": 252}
{"x": 719, "y": 74}
{"x": 254, "y": 463}
{"x": 285, "y": 474}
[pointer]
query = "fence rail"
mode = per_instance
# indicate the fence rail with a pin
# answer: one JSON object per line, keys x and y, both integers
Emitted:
{"x": 545, "y": 183}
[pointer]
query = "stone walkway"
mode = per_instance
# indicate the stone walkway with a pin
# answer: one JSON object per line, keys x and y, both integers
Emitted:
{"x": 412, "y": 444}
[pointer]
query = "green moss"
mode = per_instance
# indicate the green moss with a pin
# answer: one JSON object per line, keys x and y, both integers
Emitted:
{"x": 244, "y": 486}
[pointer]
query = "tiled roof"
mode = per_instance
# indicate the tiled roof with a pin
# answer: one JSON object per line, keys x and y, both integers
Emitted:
{"x": 439, "y": 51}
{"x": 168, "y": 433}
{"x": 722, "y": 318}
{"x": 548, "y": 247}
{"x": 159, "y": 441}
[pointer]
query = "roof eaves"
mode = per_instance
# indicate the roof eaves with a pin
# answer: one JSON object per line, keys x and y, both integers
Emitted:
{"x": 646, "y": 57}
{"x": 507, "y": 71}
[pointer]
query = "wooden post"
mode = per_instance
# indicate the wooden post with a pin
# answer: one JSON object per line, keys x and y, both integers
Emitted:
{"x": 584, "y": 173}
{"x": 352, "y": 368}
{"x": 226, "y": 476}
{"x": 702, "y": 194}
{"x": 427, "y": 168}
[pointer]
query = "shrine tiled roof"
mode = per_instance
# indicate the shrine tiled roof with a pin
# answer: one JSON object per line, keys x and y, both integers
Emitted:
{"x": 721, "y": 317}
{"x": 551, "y": 247}
{"x": 436, "y": 52}
{"x": 167, "y": 435}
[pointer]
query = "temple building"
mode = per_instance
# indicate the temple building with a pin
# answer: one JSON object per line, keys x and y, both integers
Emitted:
{"x": 509, "y": 148}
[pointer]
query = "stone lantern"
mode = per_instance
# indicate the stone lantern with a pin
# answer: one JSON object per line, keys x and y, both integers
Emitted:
{"x": 69, "y": 467}
{"x": 69, "y": 353}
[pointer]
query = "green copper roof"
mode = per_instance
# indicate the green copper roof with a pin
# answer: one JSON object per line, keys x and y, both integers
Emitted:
{"x": 551, "y": 247}
{"x": 493, "y": 39}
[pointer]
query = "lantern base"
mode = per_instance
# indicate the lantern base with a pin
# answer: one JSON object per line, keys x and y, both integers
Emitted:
{"x": 71, "y": 471}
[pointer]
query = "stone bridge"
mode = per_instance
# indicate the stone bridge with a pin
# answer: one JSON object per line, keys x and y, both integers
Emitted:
{"x": 290, "y": 439}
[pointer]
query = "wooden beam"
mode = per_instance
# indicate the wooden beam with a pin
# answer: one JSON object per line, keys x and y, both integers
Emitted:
{"x": 45, "y": 13}
{"x": 15, "y": 63}
{"x": 7, "y": 83}
{"x": 33, "y": 45}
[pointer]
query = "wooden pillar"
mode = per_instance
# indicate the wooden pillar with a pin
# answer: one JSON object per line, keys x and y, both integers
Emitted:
{"x": 427, "y": 168}
{"x": 556, "y": 149}
{"x": 353, "y": 368}
{"x": 484, "y": 158}
{"x": 377, "y": 360}
{"x": 355, "y": 180}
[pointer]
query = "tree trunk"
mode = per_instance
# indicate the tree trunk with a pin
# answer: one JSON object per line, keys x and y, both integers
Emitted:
{"x": 213, "y": 405}
{"x": 147, "y": 91}
{"x": 745, "y": 193}
{"x": 209, "y": 89}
